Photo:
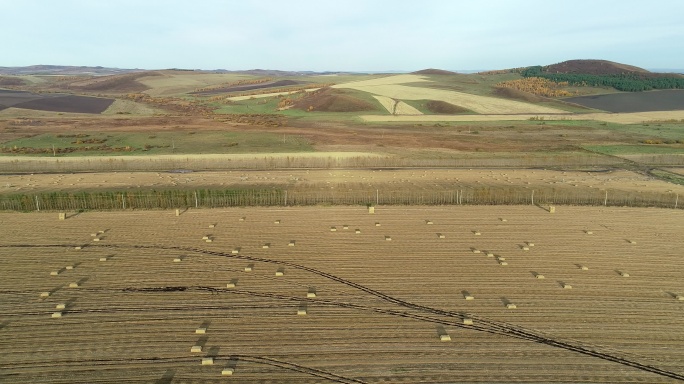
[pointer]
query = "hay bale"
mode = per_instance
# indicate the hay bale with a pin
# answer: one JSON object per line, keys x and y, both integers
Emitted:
{"x": 467, "y": 321}
{"x": 235, "y": 251}
{"x": 280, "y": 272}
{"x": 444, "y": 337}
{"x": 441, "y": 236}
{"x": 503, "y": 220}
{"x": 212, "y": 225}
{"x": 196, "y": 349}
{"x": 377, "y": 224}
{"x": 100, "y": 232}
{"x": 511, "y": 306}
{"x": 230, "y": 285}
{"x": 624, "y": 274}
{"x": 632, "y": 242}
{"x": 530, "y": 244}
{"x": 248, "y": 268}
{"x": 242, "y": 218}
{"x": 207, "y": 361}
{"x": 388, "y": 238}
{"x": 177, "y": 260}
{"x": 93, "y": 235}
{"x": 60, "y": 306}
{"x": 205, "y": 237}
{"x": 468, "y": 296}
{"x": 73, "y": 285}
{"x": 476, "y": 250}
{"x": 54, "y": 273}
{"x": 266, "y": 246}
{"x": 69, "y": 267}
{"x": 371, "y": 210}
{"x": 201, "y": 330}
{"x": 566, "y": 286}
{"x": 500, "y": 258}
{"x": 291, "y": 243}
{"x": 96, "y": 239}
{"x": 503, "y": 263}
{"x": 476, "y": 233}
{"x": 538, "y": 275}
{"x": 103, "y": 259}
{"x": 45, "y": 294}
{"x": 77, "y": 248}
{"x": 277, "y": 222}
{"x": 679, "y": 297}
{"x": 227, "y": 372}
{"x": 525, "y": 248}
{"x": 358, "y": 231}
{"x": 310, "y": 295}
{"x": 589, "y": 232}
{"x": 208, "y": 240}
{"x": 333, "y": 229}
{"x": 428, "y": 222}
{"x": 301, "y": 312}
{"x": 177, "y": 212}
{"x": 584, "y": 267}
{"x": 56, "y": 314}
{"x": 489, "y": 254}
{"x": 552, "y": 209}
{"x": 62, "y": 216}
{"x": 345, "y": 227}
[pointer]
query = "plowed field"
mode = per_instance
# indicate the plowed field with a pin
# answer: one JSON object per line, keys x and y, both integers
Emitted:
{"x": 371, "y": 310}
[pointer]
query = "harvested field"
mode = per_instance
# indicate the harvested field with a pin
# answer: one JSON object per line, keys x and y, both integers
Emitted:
{"x": 342, "y": 180}
{"x": 393, "y": 87}
{"x": 134, "y": 316}
{"x": 665, "y": 100}
{"x": 397, "y": 107}
{"x": 620, "y": 118}
{"x": 265, "y": 95}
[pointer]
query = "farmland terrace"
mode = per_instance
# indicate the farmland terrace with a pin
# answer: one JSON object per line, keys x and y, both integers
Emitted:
{"x": 335, "y": 294}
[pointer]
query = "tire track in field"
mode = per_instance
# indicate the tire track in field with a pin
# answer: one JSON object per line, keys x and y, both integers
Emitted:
{"x": 492, "y": 326}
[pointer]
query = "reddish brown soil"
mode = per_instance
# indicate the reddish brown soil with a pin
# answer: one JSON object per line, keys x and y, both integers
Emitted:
{"x": 333, "y": 100}
{"x": 439, "y": 106}
{"x": 593, "y": 67}
{"x": 433, "y": 71}
{"x": 71, "y": 104}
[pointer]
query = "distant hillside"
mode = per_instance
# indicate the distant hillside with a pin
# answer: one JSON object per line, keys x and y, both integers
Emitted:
{"x": 332, "y": 100}
{"x": 433, "y": 71}
{"x": 602, "y": 73}
{"x": 593, "y": 67}
{"x": 63, "y": 70}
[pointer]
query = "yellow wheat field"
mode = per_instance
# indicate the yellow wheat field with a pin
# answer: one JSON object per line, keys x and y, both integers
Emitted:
{"x": 396, "y": 107}
{"x": 393, "y": 87}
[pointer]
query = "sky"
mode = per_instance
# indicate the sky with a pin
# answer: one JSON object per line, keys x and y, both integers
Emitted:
{"x": 340, "y": 35}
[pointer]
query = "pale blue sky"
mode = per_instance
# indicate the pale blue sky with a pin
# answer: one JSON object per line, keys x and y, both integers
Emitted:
{"x": 350, "y": 35}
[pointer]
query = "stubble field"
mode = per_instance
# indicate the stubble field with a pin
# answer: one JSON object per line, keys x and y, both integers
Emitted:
{"x": 374, "y": 305}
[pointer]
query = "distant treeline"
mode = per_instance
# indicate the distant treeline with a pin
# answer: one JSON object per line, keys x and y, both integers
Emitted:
{"x": 628, "y": 82}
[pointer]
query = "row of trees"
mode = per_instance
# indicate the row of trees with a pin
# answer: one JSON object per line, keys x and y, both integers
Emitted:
{"x": 485, "y": 195}
{"x": 628, "y": 82}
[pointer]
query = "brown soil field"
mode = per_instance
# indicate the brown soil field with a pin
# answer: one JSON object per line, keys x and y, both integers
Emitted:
{"x": 332, "y": 100}
{"x": 665, "y": 100}
{"x": 408, "y": 179}
{"x": 371, "y": 310}
{"x": 438, "y": 106}
{"x": 71, "y": 103}
{"x": 114, "y": 83}
{"x": 249, "y": 87}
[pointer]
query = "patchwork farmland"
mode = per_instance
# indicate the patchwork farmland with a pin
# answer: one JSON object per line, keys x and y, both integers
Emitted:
{"x": 335, "y": 294}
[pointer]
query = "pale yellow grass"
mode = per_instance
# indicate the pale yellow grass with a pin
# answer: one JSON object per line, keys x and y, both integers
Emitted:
{"x": 392, "y": 87}
{"x": 130, "y": 107}
{"x": 173, "y": 83}
{"x": 262, "y": 95}
{"x": 620, "y": 118}
{"x": 397, "y": 107}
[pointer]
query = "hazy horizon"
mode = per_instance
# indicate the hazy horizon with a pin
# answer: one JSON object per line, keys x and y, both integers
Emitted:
{"x": 354, "y": 36}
